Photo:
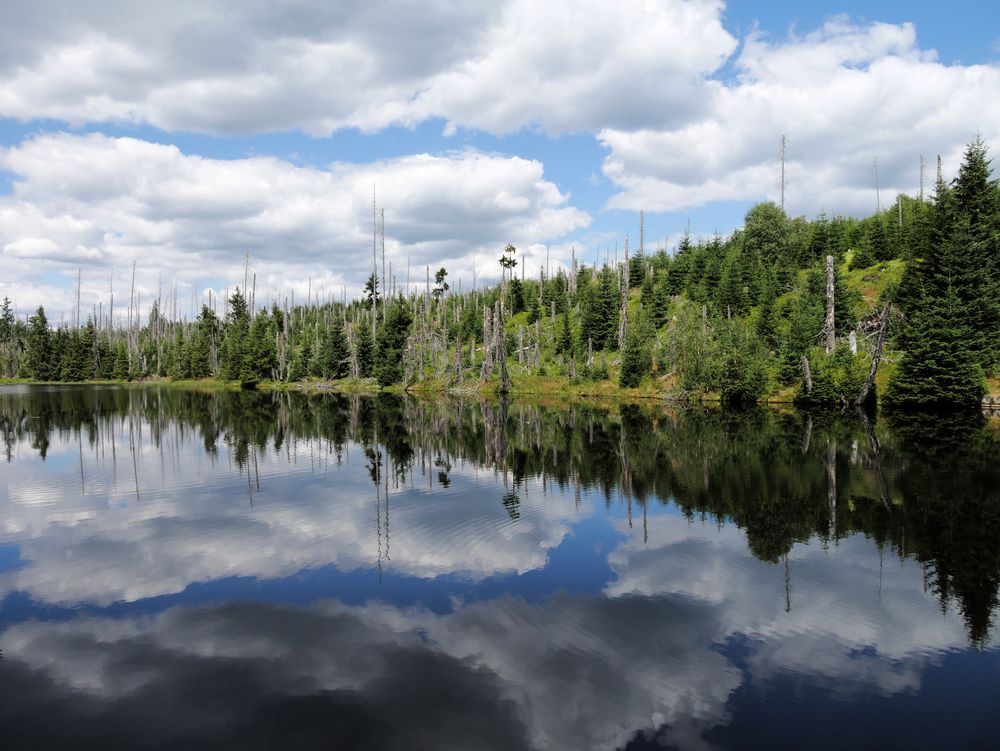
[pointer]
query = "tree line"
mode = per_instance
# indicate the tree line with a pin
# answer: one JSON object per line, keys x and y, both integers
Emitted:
{"x": 782, "y": 304}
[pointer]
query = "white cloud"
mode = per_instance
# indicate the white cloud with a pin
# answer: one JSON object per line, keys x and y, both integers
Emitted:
{"x": 81, "y": 550}
{"x": 842, "y": 95}
{"x": 250, "y": 67}
{"x": 100, "y": 202}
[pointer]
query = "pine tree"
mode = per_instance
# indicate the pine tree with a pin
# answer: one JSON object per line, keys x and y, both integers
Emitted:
{"x": 40, "y": 355}
{"x": 200, "y": 357}
{"x": 391, "y": 343}
{"x": 659, "y": 302}
{"x": 235, "y": 339}
{"x": 365, "y": 349}
{"x": 121, "y": 371}
{"x": 636, "y": 356}
{"x": 302, "y": 360}
{"x": 878, "y": 241}
{"x": 938, "y": 369}
{"x": 334, "y": 354}
{"x": 564, "y": 344}
{"x": 78, "y": 358}
{"x": 260, "y": 356}
{"x": 744, "y": 367}
{"x": 6, "y": 322}
{"x": 680, "y": 267}
{"x": 951, "y": 295}
{"x": 516, "y": 296}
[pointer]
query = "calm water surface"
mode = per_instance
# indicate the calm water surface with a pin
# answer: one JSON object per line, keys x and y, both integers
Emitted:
{"x": 242, "y": 570}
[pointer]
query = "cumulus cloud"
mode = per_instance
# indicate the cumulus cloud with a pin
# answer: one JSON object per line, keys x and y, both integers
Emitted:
{"x": 77, "y": 552}
{"x": 843, "y": 95}
{"x": 250, "y": 67}
{"x": 102, "y": 202}
{"x": 843, "y": 599}
{"x": 570, "y": 672}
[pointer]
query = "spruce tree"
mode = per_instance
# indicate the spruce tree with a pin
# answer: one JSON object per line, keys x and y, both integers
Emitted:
{"x": 40, "y": 355}
{"x": 659, "y": 302}
{"x": 636, "y": 357}
{"x": 120, "y": 370}
{"x": 334, "y": 353}
{"x": 391, "y": 343}
{"x": 744, "y": 366}
{"x": 235, "y": 339}
{"x": 564, "y": 344}
{"x": 938, "y": 369}
{"x": 364, "y": 345}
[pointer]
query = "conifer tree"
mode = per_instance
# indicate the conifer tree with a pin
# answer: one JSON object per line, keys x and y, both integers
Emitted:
{"x": 391, "y": 343}
{"x": 334, "y": 354}
{"x": 636, "y": 356}
{"x": 234, "y": 341}
{"x": 564, "y": 344}
{"x": 659, "y": 302}
{"x": 938, "y": 369}
{"x": 40, "y": 355}
{"x": 365, "y": 349}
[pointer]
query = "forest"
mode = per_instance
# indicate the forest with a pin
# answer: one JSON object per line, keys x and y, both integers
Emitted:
{"x": 903, "y": 305}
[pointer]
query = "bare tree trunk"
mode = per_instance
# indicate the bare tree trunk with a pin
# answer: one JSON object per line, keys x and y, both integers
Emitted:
{"x": 831, "y": 486}
{"x": 877, "y": 455}
{"x": 486, "y": 371}
{"x": 623, "y": 313}
{"x": 831, "y": 329}
{"x": 500, "y": 343}
{"x": 807, "y": 380}
{"x": 866, "y": 388}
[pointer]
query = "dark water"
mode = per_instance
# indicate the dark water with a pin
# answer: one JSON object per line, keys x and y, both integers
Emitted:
{"x": 187, "y": 570}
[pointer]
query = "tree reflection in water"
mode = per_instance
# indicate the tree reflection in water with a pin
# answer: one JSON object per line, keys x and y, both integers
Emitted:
{"x": 924, "y": 488}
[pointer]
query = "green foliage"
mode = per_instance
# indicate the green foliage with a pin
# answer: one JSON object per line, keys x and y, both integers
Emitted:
{"x": 516, "y": 296}
{"x": 659, "y": 300}
{"x": 939, "y": 368}
{"x": 370, "y": 293}
{"x": 334, "y": 355}
{"x": 637, "y": 357}
{"x": 40, "y": 360}
{"x": 744, "y": 364}
{"x": 564, "y": 344}
{"x": 440, "y": 285}
{"x": 235, "y": 338}
{"x": 836, "y": 378}
{"x": 79, "y": 355}
{"x": 599, "y": 322}
{"x": 121, "y": 371}
{"x": 260, "y": 357}
{"x": 695, "y": 349}
{"x": 951, "y": 295}
{"x": 364, "y": 344}
{"x": 202, "y": 344}
{"x": 391, "y": 343}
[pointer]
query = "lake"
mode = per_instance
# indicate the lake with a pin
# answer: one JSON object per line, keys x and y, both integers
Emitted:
{"x": 181, "y": 569}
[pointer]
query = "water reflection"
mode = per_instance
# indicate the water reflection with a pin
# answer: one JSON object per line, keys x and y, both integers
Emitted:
{"x": 276, "y": 570}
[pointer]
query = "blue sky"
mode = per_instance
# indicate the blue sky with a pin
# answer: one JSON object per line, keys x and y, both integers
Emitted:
{"x": 184, "y": 137}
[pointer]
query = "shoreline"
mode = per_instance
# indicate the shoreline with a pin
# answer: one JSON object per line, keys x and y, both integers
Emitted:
{"x": 531, "y": 386}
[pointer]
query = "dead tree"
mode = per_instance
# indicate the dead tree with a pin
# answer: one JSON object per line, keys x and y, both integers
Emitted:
{"x": 487, "y": 368}
{"x": 500, "y": 345}
{"x": 623, "y": 314}
{"x": 866, "y": 388}
{"x": 831, "y": 329}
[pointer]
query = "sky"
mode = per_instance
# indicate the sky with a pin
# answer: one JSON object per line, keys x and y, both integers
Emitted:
{"x": 182, "y": 137}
